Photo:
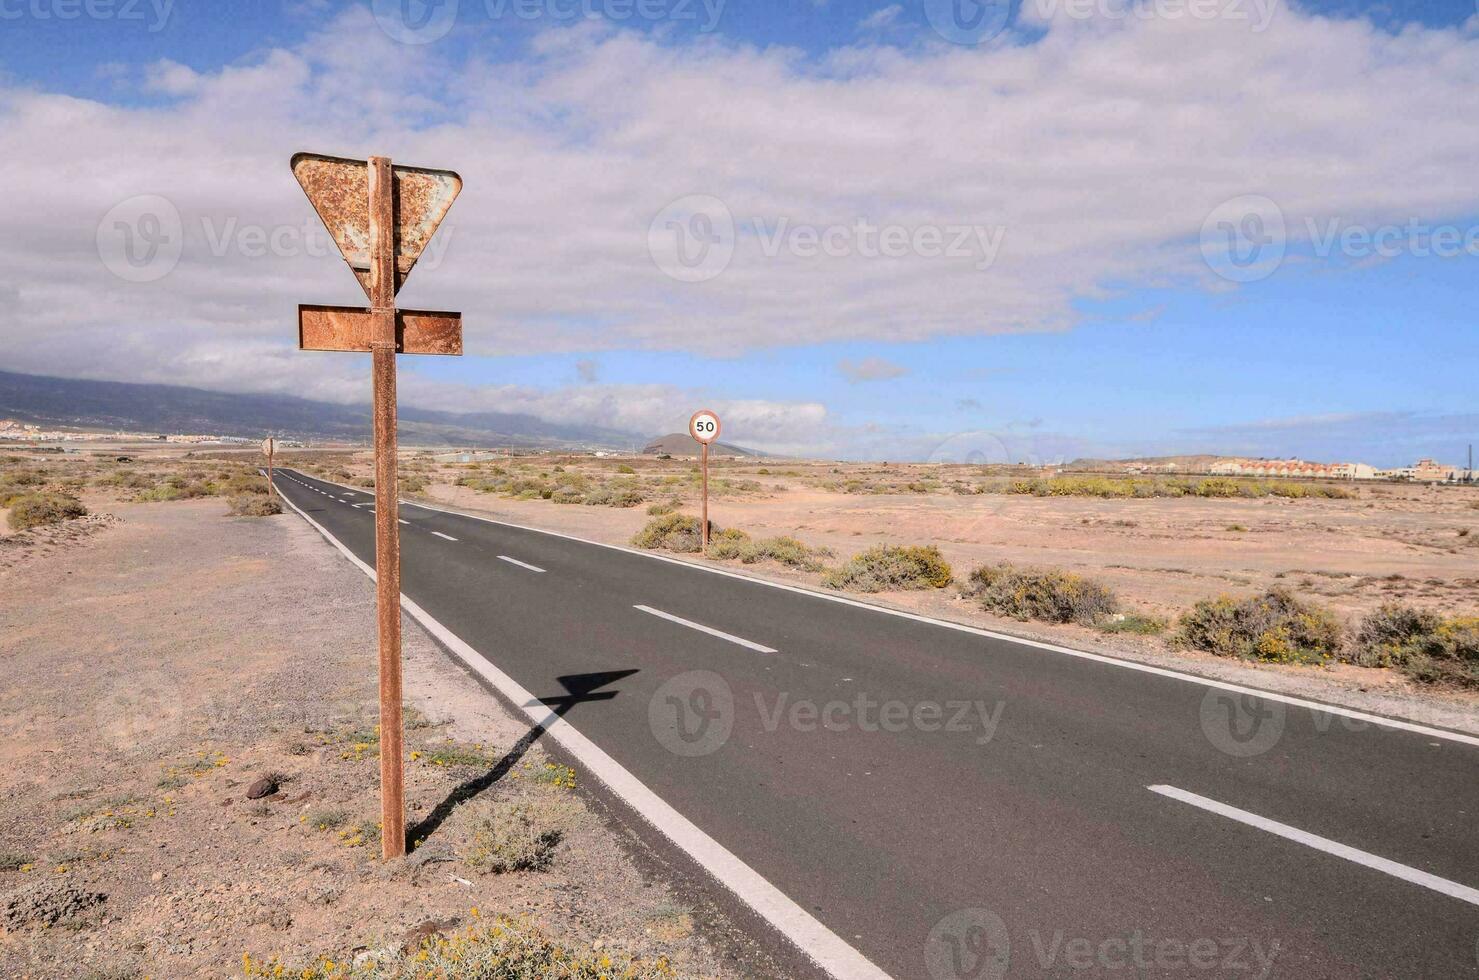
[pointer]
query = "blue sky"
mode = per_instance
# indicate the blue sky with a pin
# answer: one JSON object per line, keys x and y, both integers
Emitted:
{"x": 1120, "y": 347}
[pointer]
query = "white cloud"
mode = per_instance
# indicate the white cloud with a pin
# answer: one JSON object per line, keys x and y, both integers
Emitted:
{"x": 881, "y": 18}
{"x": 870, "y": 369}
{"x": 1099, "y": 150}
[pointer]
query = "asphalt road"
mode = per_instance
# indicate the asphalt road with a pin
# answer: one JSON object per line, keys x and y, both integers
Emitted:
{"x": 955, "y": 805}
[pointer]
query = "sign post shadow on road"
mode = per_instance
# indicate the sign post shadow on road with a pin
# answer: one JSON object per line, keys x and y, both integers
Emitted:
{"x": 382, "y": 218}
{"x": 704, "y": 427}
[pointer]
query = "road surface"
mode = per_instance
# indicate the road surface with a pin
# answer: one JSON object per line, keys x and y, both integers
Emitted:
{"x": 951, "y": 804}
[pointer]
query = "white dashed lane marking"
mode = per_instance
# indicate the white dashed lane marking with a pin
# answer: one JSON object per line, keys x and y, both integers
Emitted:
{"x": 751, "y": 644}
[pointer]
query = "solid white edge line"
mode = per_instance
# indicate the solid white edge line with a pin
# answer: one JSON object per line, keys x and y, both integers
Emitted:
{"x": 521, "y": 564}
{"x": 441, "y": 535}
{"x": 1450, "y": 888}
{"x": 706, "y": 629}
{"x": 818, "y": 943}
{"x": 1331, "y": 709}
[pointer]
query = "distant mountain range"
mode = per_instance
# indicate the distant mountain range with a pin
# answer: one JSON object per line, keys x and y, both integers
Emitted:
{"x": 683, "y": 444}
{"x": 171, "y": 408}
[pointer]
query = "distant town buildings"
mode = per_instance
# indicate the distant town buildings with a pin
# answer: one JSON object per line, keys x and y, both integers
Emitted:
{"x": 18, "y": 431}
{"x": 1294, "y": 468}
{"x": 1423, "y": 471}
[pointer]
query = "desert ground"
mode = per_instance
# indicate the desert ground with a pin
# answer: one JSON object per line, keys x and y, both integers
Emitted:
{"x": 165, "y": 658}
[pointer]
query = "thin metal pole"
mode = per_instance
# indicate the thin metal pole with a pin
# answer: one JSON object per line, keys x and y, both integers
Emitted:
{"x": 387, "y": 511}
{"x": 270, "y": 490}
{"x": 706, "y": 498}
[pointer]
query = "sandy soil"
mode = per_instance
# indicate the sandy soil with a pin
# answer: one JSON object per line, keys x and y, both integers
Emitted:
{"x": 159, "y": 665}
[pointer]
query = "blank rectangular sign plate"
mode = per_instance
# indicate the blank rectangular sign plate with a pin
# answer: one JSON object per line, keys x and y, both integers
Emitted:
{"x": 349, "y": 328}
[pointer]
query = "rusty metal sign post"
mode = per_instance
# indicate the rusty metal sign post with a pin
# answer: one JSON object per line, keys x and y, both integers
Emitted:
{"x": 704, "y": 427}
{"x": 267, "y": 448}
{"x": 382, "y": 218}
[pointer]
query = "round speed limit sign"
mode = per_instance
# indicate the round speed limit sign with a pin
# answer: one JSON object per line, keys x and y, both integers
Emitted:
{"x": 704, "y": 426}
{"x": 267, "y": 447}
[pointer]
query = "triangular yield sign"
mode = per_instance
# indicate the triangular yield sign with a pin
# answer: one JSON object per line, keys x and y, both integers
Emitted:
{"x": 340, "y": 192}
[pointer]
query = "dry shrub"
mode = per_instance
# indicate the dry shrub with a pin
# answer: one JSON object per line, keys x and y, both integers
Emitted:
{"x": 672, "y": 532}
{"x": 1422, "y": 644}
{"x": 36, "y": 509}
{"x": 891, "y": 567}
{"x": 250, "y": 505}
{"x": 1048, "y": 595}
{"x": 515, "y": 836}
{"x": 496, "y": 949}
{"x": 1274, "y": 627}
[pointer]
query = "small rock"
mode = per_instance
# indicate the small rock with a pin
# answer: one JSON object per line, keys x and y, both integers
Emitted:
{"x": 415, "y": 936}
{"x": 262, "y": 787}
{"x": 157, "y": 876}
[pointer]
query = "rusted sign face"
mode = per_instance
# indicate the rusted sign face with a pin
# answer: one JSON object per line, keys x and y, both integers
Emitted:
{"x": 348, "y": 328}
{"x": 339, "y": 190}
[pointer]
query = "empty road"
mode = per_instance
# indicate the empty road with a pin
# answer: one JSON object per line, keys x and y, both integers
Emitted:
{"x": 945, "y": 804}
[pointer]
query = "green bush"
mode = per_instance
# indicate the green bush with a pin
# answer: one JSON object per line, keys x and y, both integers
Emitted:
{"x": 1050, "y": 595}
{"x": 1135, "y": 623}
{"x": 1274, "y": 627}
{"x": 890, "y": 567}
{"x": 666, "y": 507}
{"x": 252, "y": 505}
{"x": 1422, "y": 644}
{"x": 36, "y": 509}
